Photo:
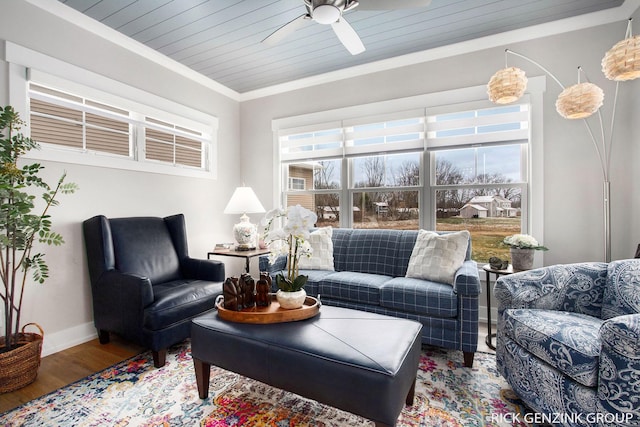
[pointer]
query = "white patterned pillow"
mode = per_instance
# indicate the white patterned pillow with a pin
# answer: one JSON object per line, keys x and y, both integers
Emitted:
{"x": 322, "y": 256}
{"x": 437, "y": 257}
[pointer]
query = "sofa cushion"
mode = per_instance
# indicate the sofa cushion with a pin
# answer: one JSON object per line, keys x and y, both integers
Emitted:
{"x": 353, "y": 286}
{"x": 314, "y": 277}
{"x": 419, "y": 296}
{"x": 437, "y": 257}
{"x": 622, "y": 293}
{"x": 322, "y": 255}
{"x": 570, "y": 342}
{"x": 371, "y": 251}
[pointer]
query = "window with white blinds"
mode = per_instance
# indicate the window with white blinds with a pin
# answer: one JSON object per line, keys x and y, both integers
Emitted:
{"x": 440, "y": 167}
{"x": 76, "y": 123}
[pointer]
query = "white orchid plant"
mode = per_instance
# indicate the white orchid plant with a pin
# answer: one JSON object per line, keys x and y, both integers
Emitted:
{"x": 523, "y": 241}
{"x": 291, "y": 240}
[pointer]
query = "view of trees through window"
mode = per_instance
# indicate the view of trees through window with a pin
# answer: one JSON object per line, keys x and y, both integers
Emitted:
{"x": 476, "y": 187}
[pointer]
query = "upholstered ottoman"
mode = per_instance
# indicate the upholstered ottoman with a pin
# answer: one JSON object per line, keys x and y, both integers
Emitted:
{"x": 363, "y": 363}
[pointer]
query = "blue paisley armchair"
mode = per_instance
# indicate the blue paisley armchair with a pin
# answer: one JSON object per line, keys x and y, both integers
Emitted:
{"x": 568, "y": 341}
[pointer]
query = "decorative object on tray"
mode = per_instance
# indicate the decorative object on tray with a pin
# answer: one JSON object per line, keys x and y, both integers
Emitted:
{"x": 290, "y": 240}
{"x": 21, "y": 226}
{"x": 239, "y": 293}
{"x": 498, "y": 264}
{"x": 263, "y": 288}
{"x": 522, "y": 250}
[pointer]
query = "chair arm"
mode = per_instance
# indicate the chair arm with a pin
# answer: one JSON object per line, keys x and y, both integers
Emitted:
{"x": 619, "y": 368}
{"x": 466, "y": 280}
{"x": 565, "y": 287}
{"x": 279, "y": 264}
{"x": 115, "y": 287}
{"x": 203, "y": 269}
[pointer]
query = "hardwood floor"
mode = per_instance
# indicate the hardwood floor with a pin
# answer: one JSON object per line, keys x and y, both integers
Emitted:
{"x": 68, "y": 366}
{"x": 75, "y": 363}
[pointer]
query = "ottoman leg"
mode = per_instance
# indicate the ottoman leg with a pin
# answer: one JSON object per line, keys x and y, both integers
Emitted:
{"x": 411, "y": 394}
{"x": 203, "y": 372}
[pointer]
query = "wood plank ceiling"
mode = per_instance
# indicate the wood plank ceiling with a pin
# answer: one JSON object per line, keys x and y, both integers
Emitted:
{"x": 221, "y": 39}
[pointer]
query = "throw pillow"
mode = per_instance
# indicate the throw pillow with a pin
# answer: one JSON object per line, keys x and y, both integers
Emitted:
{"x": 437, "y": 257}
{"x": 322, "y": 256}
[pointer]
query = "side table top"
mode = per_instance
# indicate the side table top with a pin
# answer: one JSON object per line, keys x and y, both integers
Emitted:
{"x": 508, "y": 270}
{"x": 240, "y": 254}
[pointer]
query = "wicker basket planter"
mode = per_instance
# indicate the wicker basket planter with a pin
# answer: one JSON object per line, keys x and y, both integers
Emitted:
{"x": 19, "y": 367}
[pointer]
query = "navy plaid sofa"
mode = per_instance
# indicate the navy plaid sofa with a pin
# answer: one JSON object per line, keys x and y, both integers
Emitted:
{"x": 370, "y": 268}
{"x": 569, "y": 341}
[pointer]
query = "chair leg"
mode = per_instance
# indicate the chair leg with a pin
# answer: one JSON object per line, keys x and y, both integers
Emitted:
{"x": 159, "y": 357}
{"x": 468, "y": 358}
{"x": 103, "y": 336}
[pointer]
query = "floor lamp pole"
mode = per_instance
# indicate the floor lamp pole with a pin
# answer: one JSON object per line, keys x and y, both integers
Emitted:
{"x": 603, "y": 151}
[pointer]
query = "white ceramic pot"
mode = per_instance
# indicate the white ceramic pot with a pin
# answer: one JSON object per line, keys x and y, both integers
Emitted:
{"x": 522, "y": 259}
{"x": 291, "y": 300}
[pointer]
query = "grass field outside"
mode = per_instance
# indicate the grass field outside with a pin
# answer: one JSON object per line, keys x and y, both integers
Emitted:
{"x": 487, "y": 234}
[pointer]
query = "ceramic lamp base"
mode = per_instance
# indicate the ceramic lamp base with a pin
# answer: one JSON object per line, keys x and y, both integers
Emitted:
{"x": 245, "y": 234}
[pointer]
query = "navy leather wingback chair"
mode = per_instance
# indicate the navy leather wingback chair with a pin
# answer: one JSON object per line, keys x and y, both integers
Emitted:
{"x": 145, "y": 287}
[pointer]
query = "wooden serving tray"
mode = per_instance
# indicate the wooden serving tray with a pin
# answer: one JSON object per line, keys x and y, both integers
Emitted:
{"x": 272, "y": 314}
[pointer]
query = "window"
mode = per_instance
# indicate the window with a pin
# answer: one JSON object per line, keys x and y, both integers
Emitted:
{"x": 297, "y": 183}
{"x": 69, "y": 121}
{"x": 440, "y": 167}
{"x": 480, "y": 178}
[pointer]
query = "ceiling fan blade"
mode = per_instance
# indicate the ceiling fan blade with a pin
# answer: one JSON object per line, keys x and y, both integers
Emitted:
{"x": 288, "y": 28}
{"x": 348, "y": 36}
{"x": 391, "y": 4}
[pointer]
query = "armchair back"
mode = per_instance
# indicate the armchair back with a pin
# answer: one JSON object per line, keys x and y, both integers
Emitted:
{"x": 622, "y": 293}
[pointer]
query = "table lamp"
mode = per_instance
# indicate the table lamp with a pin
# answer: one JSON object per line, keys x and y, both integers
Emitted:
{"x": 244, "y": 201}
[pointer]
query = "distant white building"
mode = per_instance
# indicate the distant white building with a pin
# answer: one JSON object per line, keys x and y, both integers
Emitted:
{"x": 488, "y": 206}
{"x": 473, "y": 211}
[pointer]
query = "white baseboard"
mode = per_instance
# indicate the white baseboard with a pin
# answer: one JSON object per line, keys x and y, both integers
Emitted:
{"x": 64, "y": 339}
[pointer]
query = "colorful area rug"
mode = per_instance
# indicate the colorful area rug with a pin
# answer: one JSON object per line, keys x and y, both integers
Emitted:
{"x": 133, "y": 393}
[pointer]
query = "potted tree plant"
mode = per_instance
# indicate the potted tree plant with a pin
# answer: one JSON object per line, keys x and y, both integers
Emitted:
{"x": 22, "y": 224}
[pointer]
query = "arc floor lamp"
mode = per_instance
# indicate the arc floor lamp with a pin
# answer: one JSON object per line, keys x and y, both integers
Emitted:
{"x": 580, "y": 101}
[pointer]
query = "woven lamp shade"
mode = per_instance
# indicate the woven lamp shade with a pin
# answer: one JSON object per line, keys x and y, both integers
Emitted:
{"x": 622, "y": 61}
{"x": 579, "y": 101}
{"x": 507, "y": 85}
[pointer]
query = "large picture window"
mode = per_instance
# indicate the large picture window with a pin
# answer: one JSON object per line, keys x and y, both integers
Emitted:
{"x": 445, "y": 168}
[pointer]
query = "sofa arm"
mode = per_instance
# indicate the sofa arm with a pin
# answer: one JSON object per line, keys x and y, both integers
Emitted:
{"x": 466, "y": 280}
{"x": 619, "y": 368}
{"x": 203, "y": 269}
{"x": 115, "y": 286}
{"x": 566, "y": 287}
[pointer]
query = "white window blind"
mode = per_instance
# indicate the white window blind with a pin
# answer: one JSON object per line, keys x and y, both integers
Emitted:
{"x": 397, "y": 132}
{"x": 71, "y": 121}
{"x": 502, "y": 124}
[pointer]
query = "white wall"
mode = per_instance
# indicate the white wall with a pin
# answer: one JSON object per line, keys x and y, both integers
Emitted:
{"x": 62, "y": 305}
{"x": 573, "y": 214}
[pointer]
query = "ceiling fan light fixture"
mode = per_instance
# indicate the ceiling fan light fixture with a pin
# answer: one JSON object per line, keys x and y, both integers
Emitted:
{"x": 326, "y": 14}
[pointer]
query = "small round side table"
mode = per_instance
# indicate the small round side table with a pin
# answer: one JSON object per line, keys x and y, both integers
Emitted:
{"x": 488, "y": 270}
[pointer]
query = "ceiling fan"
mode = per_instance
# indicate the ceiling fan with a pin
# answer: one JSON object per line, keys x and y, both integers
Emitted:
{"x": 330, "y": 12}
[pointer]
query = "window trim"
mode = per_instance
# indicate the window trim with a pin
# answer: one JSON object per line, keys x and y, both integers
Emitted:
{"x": 535, "y": 168}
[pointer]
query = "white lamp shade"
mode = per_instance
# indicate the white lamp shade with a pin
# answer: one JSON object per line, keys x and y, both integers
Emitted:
{"x": 507, "y": 85}
{"x": 244, "y": 200}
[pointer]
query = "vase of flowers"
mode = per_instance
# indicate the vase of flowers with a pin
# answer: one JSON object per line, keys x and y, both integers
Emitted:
{"x": 522, "y": 247}
{"x": 291, "y": 240}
